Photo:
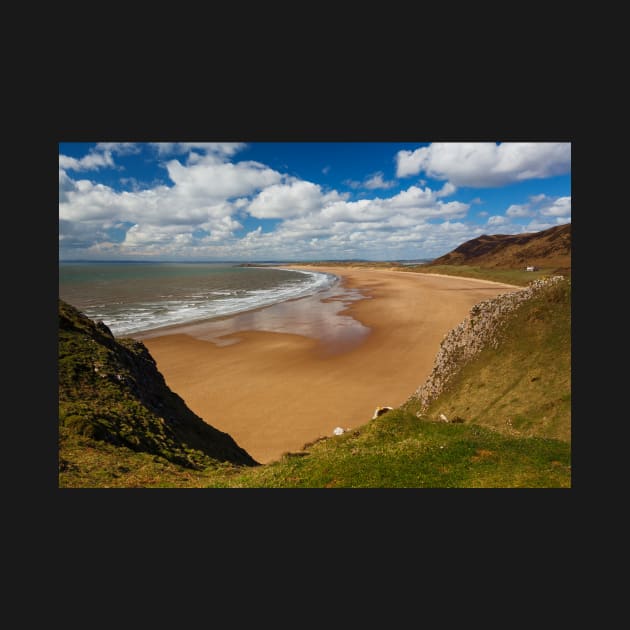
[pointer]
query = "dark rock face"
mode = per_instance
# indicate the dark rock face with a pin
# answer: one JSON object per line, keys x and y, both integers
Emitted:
{"x": 111, "y": 390}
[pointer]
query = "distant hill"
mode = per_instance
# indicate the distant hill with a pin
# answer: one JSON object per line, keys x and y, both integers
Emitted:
{"x": 549, "y": 248}
{"x": 111, "y": 391}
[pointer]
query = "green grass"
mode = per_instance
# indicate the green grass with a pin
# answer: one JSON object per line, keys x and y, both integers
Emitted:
{"x": 525, "y": 381}
{"x": 397, "y": 450}
{"x": 111, "y": 391}
{"x": 522, "y": 387}
{"x": 509, "y": 276}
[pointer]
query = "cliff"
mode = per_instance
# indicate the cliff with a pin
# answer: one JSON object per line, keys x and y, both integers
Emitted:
{"x": 110, "y": 390}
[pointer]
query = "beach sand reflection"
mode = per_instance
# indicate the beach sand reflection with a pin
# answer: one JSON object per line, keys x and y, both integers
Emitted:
{"x": 318, "y": 317}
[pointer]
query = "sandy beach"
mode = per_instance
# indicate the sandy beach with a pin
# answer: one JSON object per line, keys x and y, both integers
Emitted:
{"x": 283, "y": 376}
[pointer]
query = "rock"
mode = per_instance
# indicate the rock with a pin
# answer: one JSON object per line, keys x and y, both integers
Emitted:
{"x": 102, "y": 326}
{"x": 468, "y": 338}
{"x": 379, "y": 411}
{"x": 443, "y": 418}
{"x": 338, "y": 431}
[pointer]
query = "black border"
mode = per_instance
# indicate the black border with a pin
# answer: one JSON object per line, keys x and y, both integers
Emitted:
{"x": 348, "y": 110}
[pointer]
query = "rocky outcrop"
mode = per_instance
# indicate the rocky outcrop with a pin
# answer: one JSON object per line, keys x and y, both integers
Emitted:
{"x": 480, "y": 329}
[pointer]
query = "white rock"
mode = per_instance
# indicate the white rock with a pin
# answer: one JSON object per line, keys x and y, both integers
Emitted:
{"x": 338, "y": 431}
{"x": 443, "y": 417}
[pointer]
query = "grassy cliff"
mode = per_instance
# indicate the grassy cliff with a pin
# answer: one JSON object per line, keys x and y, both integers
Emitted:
{"x": 110, "y": 392}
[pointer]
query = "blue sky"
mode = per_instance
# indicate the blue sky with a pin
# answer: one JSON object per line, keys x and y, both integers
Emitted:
{"x": 303, "y": 200}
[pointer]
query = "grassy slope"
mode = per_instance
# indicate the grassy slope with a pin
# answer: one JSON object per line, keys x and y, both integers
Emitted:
{"x": 523, "y": 387}
{"x": 547, "y": 248}
{"x": 110, "y": 391}
{"x": 509, "y": 276}
{"x": 400, "y": 450}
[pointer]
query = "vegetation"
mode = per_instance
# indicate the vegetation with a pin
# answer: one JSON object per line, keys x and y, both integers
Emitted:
{"x": 508, "y": 409}
{"x": 519, "y": 277}
{"x": 111, "y": 391}
{"x": 522, "y": 387}
{"x": 526, "y": 380}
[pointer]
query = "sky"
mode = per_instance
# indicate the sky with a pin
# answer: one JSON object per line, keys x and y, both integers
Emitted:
{"x": 299, "y": 201}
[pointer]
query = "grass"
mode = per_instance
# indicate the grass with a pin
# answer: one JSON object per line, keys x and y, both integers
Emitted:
{"x": 522, "y": 387}
{"x": 397, "y": 450}
{"x": 509, "y": 276}
{"x": 515, "y": 403}
{"x": 111, "y": 391}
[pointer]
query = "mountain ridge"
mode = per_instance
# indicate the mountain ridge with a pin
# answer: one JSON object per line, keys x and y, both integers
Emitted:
{"x": 550, "y": 248}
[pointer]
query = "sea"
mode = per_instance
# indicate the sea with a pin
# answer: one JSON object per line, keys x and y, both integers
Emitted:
{"x": 135, "y": 297}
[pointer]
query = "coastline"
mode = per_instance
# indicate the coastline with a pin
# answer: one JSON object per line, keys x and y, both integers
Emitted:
{"x": 274, "y": 391}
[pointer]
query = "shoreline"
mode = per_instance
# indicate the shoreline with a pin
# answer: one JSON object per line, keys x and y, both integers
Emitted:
{"x": 274, "y": 391}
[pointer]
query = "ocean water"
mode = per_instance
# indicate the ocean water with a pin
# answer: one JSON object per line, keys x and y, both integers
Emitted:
{"x": 138, "y": 297}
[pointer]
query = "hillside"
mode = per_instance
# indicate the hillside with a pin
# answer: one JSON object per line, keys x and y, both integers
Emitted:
{"x": 509, "y": 412}
{"x": 110, "y": 391}
{"x": 549, "y": 249}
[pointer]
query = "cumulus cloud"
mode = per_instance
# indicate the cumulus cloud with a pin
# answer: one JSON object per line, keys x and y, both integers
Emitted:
{"x": 224, "y": 149}
{"x": 479, "y": 164}
{"x": 119, "y": 148}
{"x": 92, "y": 161}
{"x": 199, "y": 198}
{"x": 544, "y": 212}
{"x": 208, "y": 179}
{"x": 542, "y": 205}
{"x": 376, "y": 181}
{"x": 496, "y": 220}
{"x": 100, "y": 156}
{"x": 371, "y": 182}
{"x": 282, "y": 201}
{"x": 209, "y": 207}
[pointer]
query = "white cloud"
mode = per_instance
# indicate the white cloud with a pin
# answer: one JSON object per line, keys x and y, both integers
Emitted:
{"x": 208, "y": 180}
{"x": 92, "y": 161}
{"x": 373, "y": 181}
{"x": 282, "y": 201}
{"x": 200, "y": 197}
{"x": 541, "y": 205}
{"x": 520, "y": 210}
{"x": 560, "y": 207}
{"x": 209, "y": 200}
{"x": 446, "y": 190}
{"x": 120, "y": 148}
{"x": 99, "y": 156}
{"x": 376, "y": 181}
{"x": 479, "y": 164}
{"x": 497, "y": 219}
{"x": 224, "y": 149}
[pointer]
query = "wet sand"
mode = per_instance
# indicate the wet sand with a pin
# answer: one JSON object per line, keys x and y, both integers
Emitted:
{"x": 282, "y": 376}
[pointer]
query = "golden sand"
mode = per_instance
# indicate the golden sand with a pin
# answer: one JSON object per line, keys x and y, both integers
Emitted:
{"x": 275, "y": 391}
